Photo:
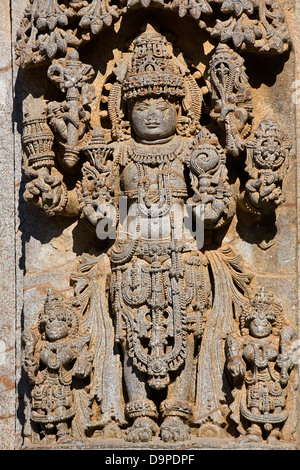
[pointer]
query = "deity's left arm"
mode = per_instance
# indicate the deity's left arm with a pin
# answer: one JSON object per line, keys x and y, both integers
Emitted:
{"x": 267, "y": 155}
{"x": 212, "y": 200}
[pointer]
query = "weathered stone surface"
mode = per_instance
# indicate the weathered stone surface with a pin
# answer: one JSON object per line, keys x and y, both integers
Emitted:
{"x": 7, "y": 228}
{"x": 123, "y": 313}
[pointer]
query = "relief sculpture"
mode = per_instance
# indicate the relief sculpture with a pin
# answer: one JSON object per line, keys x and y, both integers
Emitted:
{"x": 164, "y": 339}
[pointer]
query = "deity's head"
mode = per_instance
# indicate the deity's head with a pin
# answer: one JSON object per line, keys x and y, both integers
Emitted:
{"x": 260, "y": 325}
{"x": 153, "y": 87}
{"x": 154, "y": 90}
{"x": 153, "y": 119}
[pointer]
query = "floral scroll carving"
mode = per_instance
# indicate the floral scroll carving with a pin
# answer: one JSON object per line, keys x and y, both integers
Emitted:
{"x": 253, "y": 24}
{"x": 51, "y": 26}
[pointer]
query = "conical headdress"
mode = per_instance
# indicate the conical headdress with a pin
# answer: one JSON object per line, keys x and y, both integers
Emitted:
{"x": 153, "y": 69}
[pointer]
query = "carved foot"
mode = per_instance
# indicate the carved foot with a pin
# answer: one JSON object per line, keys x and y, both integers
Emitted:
{"x": 210, "y": 430}
{"x": 112, "y": 431}
{"x": 66, "y": 440}
{"x": 274, "y": 437}
{"x": 174, "y": 430}
{"x": 251, "y": 438}
{"x": 142, "y": 430}
{"x": 63, "y": 435}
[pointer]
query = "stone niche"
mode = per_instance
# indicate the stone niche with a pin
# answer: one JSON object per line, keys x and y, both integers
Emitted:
{"x": 153, "y": 300}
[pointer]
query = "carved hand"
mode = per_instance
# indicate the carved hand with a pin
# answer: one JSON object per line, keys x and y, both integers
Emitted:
{"x": 83, "y": 367}
{"x": 237, "y": 367}
{"x": 264, "y": 193}
{"x": 284, "y": 363}
{"x": 46, "y": 192}
{"x": 209, "y": 211}
{"x": 31, "y": 363}
{"x": 95, "y": 211}
{"x": 95, "y": 196}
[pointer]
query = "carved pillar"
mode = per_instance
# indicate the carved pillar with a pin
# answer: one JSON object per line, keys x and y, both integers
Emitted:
{"x": 8, "y": 245}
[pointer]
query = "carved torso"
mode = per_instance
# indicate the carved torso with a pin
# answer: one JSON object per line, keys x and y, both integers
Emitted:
{"x": 153, "y": 181}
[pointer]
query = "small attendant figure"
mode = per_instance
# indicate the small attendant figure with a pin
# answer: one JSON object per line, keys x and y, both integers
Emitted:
{"x": 56, "y": 355}
{"x": 260, "y": 360}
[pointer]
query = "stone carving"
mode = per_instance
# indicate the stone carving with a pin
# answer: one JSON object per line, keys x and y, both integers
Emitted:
{"x": 267, "y": 163}
{"x": 46, "y": 190}
{"x": 70, "y": 118}
{"x": 261, "y": 358}
{"x": 51, "y": 26}
{"x": 144, "y": 343}
{"x": 56, "y": 358}
{"x": 232, "y": 97}
{"x": 253, "y": 24}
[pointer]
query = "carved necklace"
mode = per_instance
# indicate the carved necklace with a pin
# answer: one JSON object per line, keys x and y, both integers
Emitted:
{"x": 155, "y": 154}
{"x": 163, "y": 204}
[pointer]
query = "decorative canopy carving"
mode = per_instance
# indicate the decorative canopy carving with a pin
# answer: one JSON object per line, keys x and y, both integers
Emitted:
{"x": 49, "y": 27}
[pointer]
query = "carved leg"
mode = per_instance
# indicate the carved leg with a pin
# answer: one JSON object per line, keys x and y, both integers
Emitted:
{"x": 139, "y": 407}
{"x": 176, "y": 409}
{"x": 48, "y": 433}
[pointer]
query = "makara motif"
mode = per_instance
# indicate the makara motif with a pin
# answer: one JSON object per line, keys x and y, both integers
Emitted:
{"x": 140, "y": 350}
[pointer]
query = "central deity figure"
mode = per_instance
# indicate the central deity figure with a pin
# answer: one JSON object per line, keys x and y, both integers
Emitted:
{"x": 160, "y": 285}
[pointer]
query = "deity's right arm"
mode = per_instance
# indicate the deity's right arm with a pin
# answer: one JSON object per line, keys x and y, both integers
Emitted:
{"x": 54, "y": 134}
{"x": 45, "y": 187}
{"x": 46, "y": 173}
{"x": 97, "y": 190}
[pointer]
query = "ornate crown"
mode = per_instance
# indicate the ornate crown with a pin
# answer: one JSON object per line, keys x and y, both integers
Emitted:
{"x": 55, "y": 306}
{"x": 261, "y": 305}
{"x": 153, "y": 69}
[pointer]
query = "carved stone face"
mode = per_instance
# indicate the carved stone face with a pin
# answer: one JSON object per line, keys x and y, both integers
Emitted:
{"x": 260, "y": 327}
{"x": 56, "y": 329}
{"x": 153, "y": 119}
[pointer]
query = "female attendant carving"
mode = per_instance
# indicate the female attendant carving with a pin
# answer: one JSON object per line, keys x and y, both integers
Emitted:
{"x": 260, "y": 360}
{"x": 55, "y": 356}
